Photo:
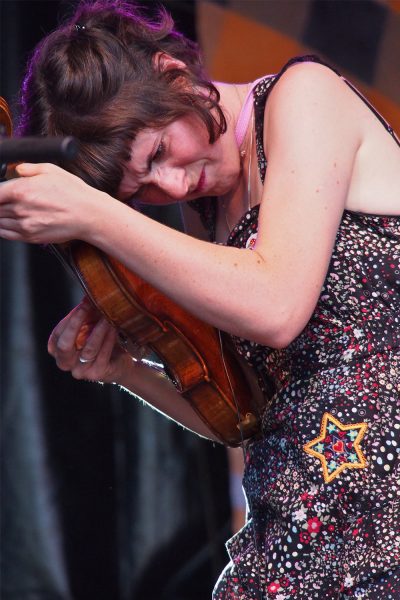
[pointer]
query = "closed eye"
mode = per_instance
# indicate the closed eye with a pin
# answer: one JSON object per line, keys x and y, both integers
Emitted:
{"x": 157, "y": 154}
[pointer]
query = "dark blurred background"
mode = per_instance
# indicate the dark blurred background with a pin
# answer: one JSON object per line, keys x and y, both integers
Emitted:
{"x": 101, "y": 497}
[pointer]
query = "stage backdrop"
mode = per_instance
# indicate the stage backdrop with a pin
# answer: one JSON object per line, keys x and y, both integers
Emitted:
{"x": 244, "y": 39}
{"x": 101, "y": 497}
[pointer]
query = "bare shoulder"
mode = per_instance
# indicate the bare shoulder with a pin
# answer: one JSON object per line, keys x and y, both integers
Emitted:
{"x": 311, "y": 96}
{"x": 305, "y": 79}
{"x": 313, "y": 85}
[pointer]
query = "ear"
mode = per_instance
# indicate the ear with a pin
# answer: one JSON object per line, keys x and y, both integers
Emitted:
{"x": 164, "y": 62}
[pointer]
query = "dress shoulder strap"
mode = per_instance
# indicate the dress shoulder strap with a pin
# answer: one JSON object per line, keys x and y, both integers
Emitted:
{"x": 245, "y": 113}
{"x": 317, "y": 59}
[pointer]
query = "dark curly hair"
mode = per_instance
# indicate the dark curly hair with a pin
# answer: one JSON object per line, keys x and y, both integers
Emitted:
{"x": 95, "y": 78}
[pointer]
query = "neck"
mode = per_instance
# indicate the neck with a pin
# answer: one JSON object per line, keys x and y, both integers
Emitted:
{"x": 238, "y": 200}
{"x": 233, "y": 96}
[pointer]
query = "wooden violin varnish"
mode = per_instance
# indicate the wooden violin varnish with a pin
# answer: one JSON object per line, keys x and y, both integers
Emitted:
{"x": 199, "y": 359}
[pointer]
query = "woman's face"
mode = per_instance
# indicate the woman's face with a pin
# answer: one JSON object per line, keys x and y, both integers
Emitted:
{"x": 177, "y": 163}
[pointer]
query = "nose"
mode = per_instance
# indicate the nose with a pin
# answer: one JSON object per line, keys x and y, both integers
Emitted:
{"x": 173, "y": 181}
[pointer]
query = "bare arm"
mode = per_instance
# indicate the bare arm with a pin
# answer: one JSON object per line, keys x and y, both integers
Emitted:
{"x": 112, "y": 364}
{"x": 268, "y": 294}
{"x": 159, "y": 392}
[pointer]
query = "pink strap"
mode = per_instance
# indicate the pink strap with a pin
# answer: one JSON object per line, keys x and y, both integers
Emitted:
{"x": 244, "y": 116}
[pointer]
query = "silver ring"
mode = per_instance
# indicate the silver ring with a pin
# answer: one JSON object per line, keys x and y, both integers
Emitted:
{"x": 86, "y": 360}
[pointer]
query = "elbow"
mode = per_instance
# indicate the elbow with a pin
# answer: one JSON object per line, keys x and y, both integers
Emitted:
{"x": 286, "y": 330}
{"x": 282, "y": 339}
{"x": 278, "y": 340}
{"x": 277, "y": 331}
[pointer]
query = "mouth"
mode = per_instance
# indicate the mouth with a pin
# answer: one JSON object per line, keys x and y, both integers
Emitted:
{"x": 201, "y": 183}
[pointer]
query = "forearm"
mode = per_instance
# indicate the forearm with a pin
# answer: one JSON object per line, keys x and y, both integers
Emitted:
{"x": 229, "y": 288}
{"x": 158, "y": 391}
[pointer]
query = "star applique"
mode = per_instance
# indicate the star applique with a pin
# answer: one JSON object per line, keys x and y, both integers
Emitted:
{"x": 338, "y": 447}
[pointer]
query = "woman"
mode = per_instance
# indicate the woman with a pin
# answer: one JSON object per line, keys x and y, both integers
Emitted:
{"x": 301, "y": 181}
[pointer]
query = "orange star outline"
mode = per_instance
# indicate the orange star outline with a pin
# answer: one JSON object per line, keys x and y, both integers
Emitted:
{"x": 356, "y": 444}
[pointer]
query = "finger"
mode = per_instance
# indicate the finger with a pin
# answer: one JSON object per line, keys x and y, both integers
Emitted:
{"x": 84, "y": 310}
{"x": 62, "y": 338}
{"x": 7, "y": 210}
{"x": 11, "y": 193}
{"x": 99, "y": 369}
{"x": 5, "y": 191}
{"x": 93, "y": 316}
{"x": 95, "y": 341}
{"x": 30, "y": 169}
{"x": 8, "y": 232}
{"x": 10, "y": 217}
{"x": 105, "y": 352}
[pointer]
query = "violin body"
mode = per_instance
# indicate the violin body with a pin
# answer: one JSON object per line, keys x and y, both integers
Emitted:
{"x": 200, "y": 360}
{"x": 197, "y": 358}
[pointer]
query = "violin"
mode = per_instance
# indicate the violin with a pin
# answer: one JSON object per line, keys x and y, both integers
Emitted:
{"x": 199, "y": 359}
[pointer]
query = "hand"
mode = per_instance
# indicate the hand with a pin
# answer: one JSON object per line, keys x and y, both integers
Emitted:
{"x": 46, "y": 204}
{"x": 106, "y": 360}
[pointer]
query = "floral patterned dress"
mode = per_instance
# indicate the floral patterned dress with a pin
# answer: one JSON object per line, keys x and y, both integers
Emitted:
{"x": 323, "y": 482}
